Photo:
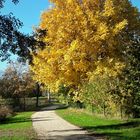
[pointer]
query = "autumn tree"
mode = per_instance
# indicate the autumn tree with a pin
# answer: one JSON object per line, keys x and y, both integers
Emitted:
{"x": 84, "y": 37}
{"x": 16, "y": 83}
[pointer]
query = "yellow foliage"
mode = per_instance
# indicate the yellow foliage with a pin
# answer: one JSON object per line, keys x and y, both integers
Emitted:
{"x": 120, "y": 26}
{"x": 109, "y": 8}
{"x": 84, "y": 37}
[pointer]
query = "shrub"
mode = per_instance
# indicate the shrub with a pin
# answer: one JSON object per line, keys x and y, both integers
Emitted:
{"x": 5, "y": 112}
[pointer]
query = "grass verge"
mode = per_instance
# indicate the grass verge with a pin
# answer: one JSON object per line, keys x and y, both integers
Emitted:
{"x": 103, "y": 127}
{"x": 18, "y": 127}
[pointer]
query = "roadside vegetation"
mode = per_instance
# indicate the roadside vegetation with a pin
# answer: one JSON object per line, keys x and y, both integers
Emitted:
{"x": 18, "y": 93}
{"x": 18, "y": 127}
{"x": 99, "y": 126}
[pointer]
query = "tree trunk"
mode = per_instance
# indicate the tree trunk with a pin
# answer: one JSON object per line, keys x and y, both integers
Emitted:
{"x": 104, "y": 110}
{"x": 48, "y": 94}
{"x": 121, "y": 111}
{"x": 37, "y": 94}
{"x": 92, "y": 108}
{"x": 24, "y": 104}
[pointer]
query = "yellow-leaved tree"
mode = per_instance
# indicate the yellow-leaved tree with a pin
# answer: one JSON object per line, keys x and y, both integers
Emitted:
{"x": 83, "y": 37}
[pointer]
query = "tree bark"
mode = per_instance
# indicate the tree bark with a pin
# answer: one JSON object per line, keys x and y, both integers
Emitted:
{"x": 37, "y": 94}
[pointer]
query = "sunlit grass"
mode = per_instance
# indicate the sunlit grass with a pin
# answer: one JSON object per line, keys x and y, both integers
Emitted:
{"x": 109, "y": 128}
{"x": 18, "y": 127}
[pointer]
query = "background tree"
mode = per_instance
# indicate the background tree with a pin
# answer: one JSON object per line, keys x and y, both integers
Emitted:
{"x": 130, "y": 78}
{"x": 17, "y": 83}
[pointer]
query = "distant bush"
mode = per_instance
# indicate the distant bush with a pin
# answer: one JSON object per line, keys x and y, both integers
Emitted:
{"x": 5, "y": 112}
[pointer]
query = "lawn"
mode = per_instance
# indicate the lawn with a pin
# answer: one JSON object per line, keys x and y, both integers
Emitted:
{"x": 98, "y": 126}
{"x": 18, "y": 127}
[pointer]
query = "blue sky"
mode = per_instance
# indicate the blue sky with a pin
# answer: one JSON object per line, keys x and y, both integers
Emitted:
{"x": 29, "y": 11}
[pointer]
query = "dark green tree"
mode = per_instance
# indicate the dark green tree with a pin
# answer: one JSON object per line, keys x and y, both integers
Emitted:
{"x": 12, "y": 41}
{"x": 130, "y": 80}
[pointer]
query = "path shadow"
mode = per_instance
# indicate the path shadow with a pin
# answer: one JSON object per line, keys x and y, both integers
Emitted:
{"x": 22, "y": 120}
{"x": 126, "y": 125}
{"x": 69, "y": 137}
{"x": 110, "y": 130}
{"x": 68, "y": 130}
{"x": 54, "y": 107}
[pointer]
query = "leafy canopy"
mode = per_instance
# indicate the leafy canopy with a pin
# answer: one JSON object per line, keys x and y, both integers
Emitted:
{"x": 83, "y": 37}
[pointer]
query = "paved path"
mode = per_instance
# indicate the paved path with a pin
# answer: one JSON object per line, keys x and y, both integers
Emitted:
{"x": 49, "y": 126}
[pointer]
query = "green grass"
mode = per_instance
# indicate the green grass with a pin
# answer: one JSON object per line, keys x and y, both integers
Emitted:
{"x": 103, "y": 127}
{"x": 18, "y": 127}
